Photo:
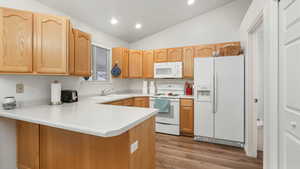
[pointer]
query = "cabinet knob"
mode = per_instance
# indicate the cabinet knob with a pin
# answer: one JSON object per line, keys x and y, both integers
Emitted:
{"x": 294, "y": 124}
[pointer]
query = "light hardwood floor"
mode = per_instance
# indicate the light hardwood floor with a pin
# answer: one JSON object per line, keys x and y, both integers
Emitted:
{"x": 173, "y": 152}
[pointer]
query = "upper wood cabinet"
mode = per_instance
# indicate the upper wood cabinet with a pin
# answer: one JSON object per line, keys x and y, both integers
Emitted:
{"x": 71, "y": 51}
{"x": 205, "y": 50}
{"x": 148, "y": 61}
{"x": 82, "y": 54}
{"x": 135, "y": 64}
{"x": 51, "y": 44}
{"x": 16, "y": 33}
{"x": 188, "y": 62}
{"x": 120, "y": 57}
{"x": 161, "y": 55}
{"x": 175, "y": 55}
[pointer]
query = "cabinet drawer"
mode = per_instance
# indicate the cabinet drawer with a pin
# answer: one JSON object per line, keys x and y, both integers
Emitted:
{"x": 187, "y": 102}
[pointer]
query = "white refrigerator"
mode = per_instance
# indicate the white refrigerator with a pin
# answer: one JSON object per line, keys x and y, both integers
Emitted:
{"x": 219, "y": 103}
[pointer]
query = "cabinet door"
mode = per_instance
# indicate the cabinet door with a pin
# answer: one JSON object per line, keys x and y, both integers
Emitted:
{"x": 82, "y": 54}
{"x": 161, "y": 55}
{"x": 141, "y": 102}
{"x": 125, "y": 63}
{"x": 16, "y": 33}
{"x": 120, "y": 56}
{"x": 148, "y": 59}
{"x": 72, "y": 51}
{"x": 175, "y": 55}
{"x": 135, "y": 64}
{"x": 187, "y": 120}
{"x": 28, "y": 145}
{"x": 205, "y": 50}
{"x": 188, "y": 62}
{"x": 51, "y": 44}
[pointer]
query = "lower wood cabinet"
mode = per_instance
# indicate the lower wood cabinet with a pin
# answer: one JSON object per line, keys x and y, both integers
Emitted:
{"x": 128, "y": 102}
{"x": 141, "y": 101}
{"x": 43, "y": 147}
{"x": 187, "y": 117}
{"x": 136, "y": 102}
{"x": 28, "y": 149}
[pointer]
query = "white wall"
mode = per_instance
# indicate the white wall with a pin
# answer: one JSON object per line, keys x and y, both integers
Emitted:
{"x": 219, "y": 25}
{"x": 37, "y": 88}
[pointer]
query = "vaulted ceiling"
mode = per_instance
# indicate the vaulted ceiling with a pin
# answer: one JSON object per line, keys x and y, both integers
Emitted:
{"x": 154, "y": 15}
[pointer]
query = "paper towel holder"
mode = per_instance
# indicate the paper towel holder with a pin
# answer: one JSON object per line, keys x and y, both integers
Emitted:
{"x": 56, "y": 101}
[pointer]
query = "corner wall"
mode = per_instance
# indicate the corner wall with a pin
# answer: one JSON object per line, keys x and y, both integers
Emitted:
{"x": 37, "y": 88}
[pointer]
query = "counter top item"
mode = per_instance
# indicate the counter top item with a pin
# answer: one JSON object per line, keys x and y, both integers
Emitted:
{"x": 87, "y": 116}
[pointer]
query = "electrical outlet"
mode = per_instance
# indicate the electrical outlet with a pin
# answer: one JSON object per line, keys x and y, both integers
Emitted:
{"x": 20, "y": 88}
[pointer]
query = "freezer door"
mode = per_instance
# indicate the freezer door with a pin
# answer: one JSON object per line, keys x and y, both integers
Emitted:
{"x": 204, "y": 119}
{"x": 229, "y": 98}
{"x": 203, "y": 107}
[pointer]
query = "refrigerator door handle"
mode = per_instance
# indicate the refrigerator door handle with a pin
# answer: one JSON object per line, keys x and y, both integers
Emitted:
{"x": 216, "y": 93}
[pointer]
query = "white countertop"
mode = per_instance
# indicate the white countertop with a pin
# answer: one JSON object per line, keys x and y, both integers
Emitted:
{"x": 87, "y": 116}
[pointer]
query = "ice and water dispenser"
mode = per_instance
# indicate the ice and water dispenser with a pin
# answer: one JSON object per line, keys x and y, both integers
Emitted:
{"x": 204, "y": 92}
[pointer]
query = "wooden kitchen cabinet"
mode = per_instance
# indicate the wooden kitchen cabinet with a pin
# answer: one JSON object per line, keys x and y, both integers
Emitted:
{"x": 82, "y": 61}
{"x": 28, "y": 145}
{"x": 120, "y": 57}
{"x": 148, "y": 64}
{"x": 175, "y": 55}
{"x": 51, "y": 44}
{"x": 135, "y": 64}
{"x": 16, "y": 33}
{"x": 141, "y": 101}
{"x": 161, "y": 55}
{"x": 128, "y": 102}
{"x": 188, "y": 62}
{"x": 71, "y": 50}
{"x": 187, "y": 117}
{"x": 205, "y": 50}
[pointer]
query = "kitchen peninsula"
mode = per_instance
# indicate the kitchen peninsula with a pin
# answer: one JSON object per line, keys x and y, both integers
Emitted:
{"x": 84, "y": 135}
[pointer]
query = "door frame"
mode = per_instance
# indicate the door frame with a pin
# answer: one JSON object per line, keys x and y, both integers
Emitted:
{"x": 270, "y": 13}
{"x": 250, "y": 109}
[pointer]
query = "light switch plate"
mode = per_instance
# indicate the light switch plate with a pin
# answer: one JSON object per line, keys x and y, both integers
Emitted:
{"x": 134, "y": 146}
{"x": 20, "y": 88}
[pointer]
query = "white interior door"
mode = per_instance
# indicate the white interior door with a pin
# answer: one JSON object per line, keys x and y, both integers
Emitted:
{"x": 289, "y": 84}
{"x": 229, "y": 98}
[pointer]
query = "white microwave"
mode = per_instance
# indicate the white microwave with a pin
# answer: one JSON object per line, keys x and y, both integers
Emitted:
{"x": 168, "y": 70}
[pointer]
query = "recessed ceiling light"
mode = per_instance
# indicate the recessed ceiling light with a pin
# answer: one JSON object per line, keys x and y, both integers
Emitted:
{"x": 114, "y": 21}
{"x": 138, "y": 26}
{"x": 190, "y": 2}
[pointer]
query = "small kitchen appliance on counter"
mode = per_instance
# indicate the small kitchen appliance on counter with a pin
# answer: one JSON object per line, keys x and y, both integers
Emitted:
{"x": 69, "y": 96}
{"x": 9, "y": 103}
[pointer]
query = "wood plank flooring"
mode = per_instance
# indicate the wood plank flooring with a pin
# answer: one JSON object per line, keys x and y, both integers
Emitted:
{"x": 173, "y": 152}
